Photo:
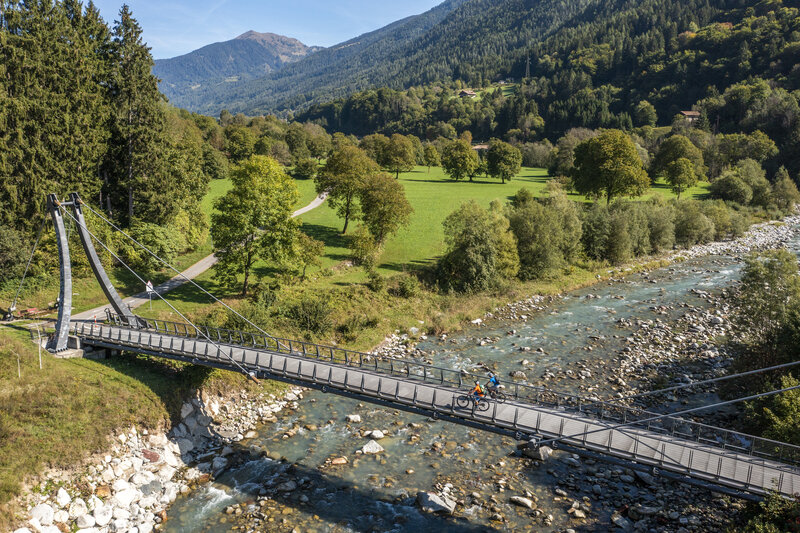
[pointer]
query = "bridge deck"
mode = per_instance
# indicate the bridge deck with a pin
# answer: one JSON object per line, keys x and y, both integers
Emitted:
{"x": 739, "y": 471}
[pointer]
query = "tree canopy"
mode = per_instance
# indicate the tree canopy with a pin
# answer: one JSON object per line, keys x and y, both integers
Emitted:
{"x": 609, "y": 165}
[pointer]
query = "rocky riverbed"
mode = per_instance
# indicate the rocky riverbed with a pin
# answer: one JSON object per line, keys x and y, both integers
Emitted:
{"x": 130, "y": 488}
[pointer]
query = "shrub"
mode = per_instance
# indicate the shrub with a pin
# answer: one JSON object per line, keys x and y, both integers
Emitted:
{"x": 691, "y": 225}
{"x": 470, "y": 263}
{"x": 638, "y": 227}
{"x": 538, "y": 236}
{"x": 355, "y": 324}
{"x": 596, "y": 228}
{"x": 730, "y": 187}
{"x": 13, "y": 253}
{"x": 620, "y": 244}
{"x": 376, "y": 282}
{"x": 408, "y": 286}
{"x": 312, "y": 314}
{"x": 364, "y": 251}
{"x": 719, "y": 213}
{"x": 753, "y": 175}
{"x": 163, "y": 241}
{"x": 305, "y": 168}
{"x": 784, "y": 193}
{"x": 661, "y": 223}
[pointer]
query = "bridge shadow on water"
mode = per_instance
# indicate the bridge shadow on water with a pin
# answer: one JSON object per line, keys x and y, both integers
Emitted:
{"x": 332, "y": 501}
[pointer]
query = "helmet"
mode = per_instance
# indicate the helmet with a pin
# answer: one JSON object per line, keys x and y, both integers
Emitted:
{"x": 477, "y": 382}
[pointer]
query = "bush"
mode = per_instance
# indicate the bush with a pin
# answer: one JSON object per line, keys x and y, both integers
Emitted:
{"x": 691, "y": 225}
{"x": 312, "y": 314}
{"x": 408, "y": 286}
{"x": 364, "y": 251}
{"x": 730, "y": 187}
{"x": 638, "y": 227}
{"x": 596, "y": 228}
{"x": 376, "y": 282}
{"x": 13, "y": 253}
{"x": 355, "y": 324}
{"x": 719, "y": 213}
{"x": 620, "y": 244}
{"x": 661, "y": 223}
{"x": 537, "y": 155}
{"x": 305, "y": 168}
{"x": 162, "y": 241}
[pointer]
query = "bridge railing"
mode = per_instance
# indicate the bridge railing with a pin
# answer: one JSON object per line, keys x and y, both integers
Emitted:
{"x": 612, "y": 413}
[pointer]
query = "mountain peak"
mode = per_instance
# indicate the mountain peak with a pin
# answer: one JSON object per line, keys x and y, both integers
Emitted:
{"x": 270, "y": 39}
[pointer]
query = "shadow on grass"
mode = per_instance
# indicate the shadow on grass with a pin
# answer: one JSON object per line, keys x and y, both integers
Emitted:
{"x": 332, "y": 237}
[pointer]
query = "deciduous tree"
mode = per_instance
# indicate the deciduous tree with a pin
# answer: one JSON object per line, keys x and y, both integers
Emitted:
{"x": 254, "y": 219}
{"x": 680, "y": 175}
{"x": 399, "y": 155}
{"x": 459, "y": 160}
{"x": 384, "y": 205}
{"x": 609, "y": 165}
{"x": 503, "y": 160}
{"x": 342, "y": 179}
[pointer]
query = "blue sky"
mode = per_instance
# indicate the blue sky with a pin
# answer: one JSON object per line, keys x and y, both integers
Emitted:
{"x": 175, "y": 27}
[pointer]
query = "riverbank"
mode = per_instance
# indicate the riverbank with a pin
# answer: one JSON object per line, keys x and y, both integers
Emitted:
{"x": 143, "y": 472}
{"x": 403, "y": 344}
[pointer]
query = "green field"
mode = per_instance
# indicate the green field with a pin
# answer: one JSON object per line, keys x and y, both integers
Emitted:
{"x": 434, "y": 196}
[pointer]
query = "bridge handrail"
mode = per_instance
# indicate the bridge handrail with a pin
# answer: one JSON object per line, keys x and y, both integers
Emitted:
{"x": 616, "y": 413}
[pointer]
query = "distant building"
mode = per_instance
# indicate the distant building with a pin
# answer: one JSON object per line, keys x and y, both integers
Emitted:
{"x": 467, "y": 93}
{"x": 480, "y": 147}
{"x": 691, "y": 116}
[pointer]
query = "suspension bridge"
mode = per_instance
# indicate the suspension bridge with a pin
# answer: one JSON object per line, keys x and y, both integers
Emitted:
{"x": 726, "y": 460}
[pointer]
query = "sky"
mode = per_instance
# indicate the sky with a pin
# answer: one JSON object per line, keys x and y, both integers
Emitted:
{"x": 176, "y": 27}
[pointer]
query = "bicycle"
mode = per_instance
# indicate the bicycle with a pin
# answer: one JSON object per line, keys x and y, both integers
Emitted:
{"x": 497, "y": 395}
{"x": 467, "y": 400}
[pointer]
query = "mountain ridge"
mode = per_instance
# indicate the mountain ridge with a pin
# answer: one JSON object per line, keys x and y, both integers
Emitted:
{"x": 247, "y": 56}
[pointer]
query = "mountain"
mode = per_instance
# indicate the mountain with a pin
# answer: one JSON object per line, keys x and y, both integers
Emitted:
{"x": 248, "y": 56}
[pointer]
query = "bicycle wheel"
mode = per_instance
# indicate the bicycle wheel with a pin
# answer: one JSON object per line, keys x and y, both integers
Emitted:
{"x": 463, "y": 401}
{"x": 500, "y": 397}
{"x": 482, "y": 405}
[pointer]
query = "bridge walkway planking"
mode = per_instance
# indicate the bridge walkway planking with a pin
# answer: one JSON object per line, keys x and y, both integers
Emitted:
{"x": 698, "y": 460}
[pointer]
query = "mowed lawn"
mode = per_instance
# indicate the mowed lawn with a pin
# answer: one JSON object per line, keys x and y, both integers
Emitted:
{"x": 434, "y": 196}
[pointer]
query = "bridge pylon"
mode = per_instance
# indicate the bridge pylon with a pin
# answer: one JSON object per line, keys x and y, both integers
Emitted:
{"x": 58, "y": 342}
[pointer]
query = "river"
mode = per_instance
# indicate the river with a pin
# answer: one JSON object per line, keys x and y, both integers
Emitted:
{"x": 378, "y": 492}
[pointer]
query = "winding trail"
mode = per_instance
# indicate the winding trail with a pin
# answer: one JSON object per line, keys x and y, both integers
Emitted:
{"x": 192, "y": 272}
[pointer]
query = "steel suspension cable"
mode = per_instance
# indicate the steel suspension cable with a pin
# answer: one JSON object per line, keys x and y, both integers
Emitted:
{"x": 705, "y": 382}
{"x": 145, "y": 248}
{"x": 672, "y": 415}
{"x": 218, "y": 346}
{"x": 27, "y": 266}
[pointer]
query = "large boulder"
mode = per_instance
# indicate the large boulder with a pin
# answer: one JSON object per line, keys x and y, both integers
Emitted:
{"x": 78, "y": 508}
{"x": 62, "y": 498}
{"x": 125, "y": 498}
{"x": 372, "y": 447}
{"x": 103, "y": 515}
{"x": 43, "y": 514}
{"x": 430, "y": 502}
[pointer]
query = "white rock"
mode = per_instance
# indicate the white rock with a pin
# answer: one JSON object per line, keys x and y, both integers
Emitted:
{"x": 146, "y": 527}
{"x": 372, "y": 447}
{"x": 544, "y": 452}
{"x": 142, "y": 478}
{"x": 169, "y": 458}
{"x": 354, "y": 419}
{"x": 61, "y": 517}
{"x": 85, "y": 521}
{"x": 89, "y": 530}
{"x": 125, "y": 498}
{"x": 435, "y": 503}
{"x": 477, "y": 321}
{"x": 78, "y": 508}
{"x": 94, "y": 502}
{"x": 166, "y": 473}
{"x": 43, "y": 514}
{"x": 376, "y": 434}
{"x": 522, "y": 502}
{"x": 122, "y": 514}
{"x": 49, "y": 529}
{"x": 62, "y": 498}
{"x": 23, "y": 530}
{"x": 103, "y": 514}
{"x": 170, "y": 494}
{"x": 120, "y": 524}
{"x": 120, "y": 485}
